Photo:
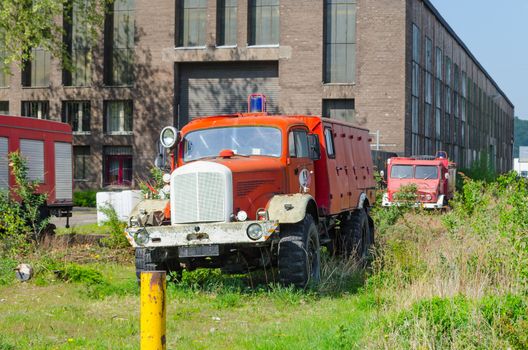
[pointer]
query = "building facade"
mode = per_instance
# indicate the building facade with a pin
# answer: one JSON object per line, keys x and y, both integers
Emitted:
{"x": 393, "y": 66}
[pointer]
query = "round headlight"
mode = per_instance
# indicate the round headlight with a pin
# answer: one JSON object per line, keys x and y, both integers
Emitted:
{"x": 254, "y": 231}
{"x": 169, "y": 136}
{"x": 166, "y": 178}
{"x": 241, "y": 216}
{"x": 141, "y": 237}
{"x": 428, "y": 197}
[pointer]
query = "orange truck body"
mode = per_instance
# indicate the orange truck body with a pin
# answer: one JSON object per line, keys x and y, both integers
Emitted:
{"x": 255, "y": 190}
{"x": 337, "y": 182}
{"x": 434, "y": 178}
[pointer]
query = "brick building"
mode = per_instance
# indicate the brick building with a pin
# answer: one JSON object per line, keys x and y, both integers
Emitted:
{"x": 393, "y": 66}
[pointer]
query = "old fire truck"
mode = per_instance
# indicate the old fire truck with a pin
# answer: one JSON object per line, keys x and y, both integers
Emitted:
{"x": 47, "y": 147}
{"x": 434, "y": 177}
{"x": 255, "y": 190}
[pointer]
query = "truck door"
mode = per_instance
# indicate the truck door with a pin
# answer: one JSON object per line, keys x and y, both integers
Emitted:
{"x": 337, "y": 174}
{"x": 300, "y": 166}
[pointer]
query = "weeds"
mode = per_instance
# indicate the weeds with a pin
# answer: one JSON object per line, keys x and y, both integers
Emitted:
{"x": 116, "y": 228}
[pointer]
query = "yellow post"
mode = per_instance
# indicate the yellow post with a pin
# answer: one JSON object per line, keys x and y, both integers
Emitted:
{"x": 152, "y": 310}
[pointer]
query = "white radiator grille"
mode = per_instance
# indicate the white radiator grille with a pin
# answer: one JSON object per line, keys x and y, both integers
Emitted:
{"x": 200, "y": 197}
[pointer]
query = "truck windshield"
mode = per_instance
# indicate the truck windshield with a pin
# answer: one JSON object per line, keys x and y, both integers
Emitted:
{"x": 402, "y": 172}
{"x": 426, "y": 172}
{"x": 244, "y": 140}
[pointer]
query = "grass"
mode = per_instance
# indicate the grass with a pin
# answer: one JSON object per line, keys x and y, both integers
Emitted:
{"x": 67, "y": 315}
{"x": 86, "y": 229}
{"x": 455, "y": 280}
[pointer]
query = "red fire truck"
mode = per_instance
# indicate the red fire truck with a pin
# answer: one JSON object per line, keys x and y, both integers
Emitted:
{"x": 47, "y": 147}
{"x": 256, "y": 190}
{"x": 434, "y": 177}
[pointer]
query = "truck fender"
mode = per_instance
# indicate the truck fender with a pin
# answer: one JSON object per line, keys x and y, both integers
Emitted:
{"x": 292, "y": 208}
{"x": 362, "y": 199}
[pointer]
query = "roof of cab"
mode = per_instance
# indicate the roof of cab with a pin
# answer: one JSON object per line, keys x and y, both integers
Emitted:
{"x": 34, "y": 123}
{"x": 283, "y": 121}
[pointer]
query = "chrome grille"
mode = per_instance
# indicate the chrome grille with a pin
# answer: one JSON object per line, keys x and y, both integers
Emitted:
{"x": 200, "y": 197}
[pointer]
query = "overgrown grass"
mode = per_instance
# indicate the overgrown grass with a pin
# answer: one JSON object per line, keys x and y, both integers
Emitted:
{"x": 455, "y": 280}
{"x": 459, "y": 280}
{"x": 88, "y": 229}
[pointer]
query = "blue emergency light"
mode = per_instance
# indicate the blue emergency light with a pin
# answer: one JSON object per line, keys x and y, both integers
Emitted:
{"x": 257, "y": 103}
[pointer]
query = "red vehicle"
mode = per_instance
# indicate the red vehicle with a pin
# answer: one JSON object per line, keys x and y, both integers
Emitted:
{"x": 255, "y": 190}
{"x": 434, "y": 177}
{"x": 47, "y": 147}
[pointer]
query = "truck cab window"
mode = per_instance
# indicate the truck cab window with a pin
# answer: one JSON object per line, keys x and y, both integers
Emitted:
{"x": 298, "y": 144}
{"x": 329, "y": 140}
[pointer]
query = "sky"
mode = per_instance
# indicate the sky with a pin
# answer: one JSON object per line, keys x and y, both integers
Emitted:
{"x": 496, "y": 32}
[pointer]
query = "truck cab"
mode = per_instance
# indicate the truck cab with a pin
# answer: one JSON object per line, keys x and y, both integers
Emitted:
{"x": 256, "y": 190}
{"x": 433, "y": 176}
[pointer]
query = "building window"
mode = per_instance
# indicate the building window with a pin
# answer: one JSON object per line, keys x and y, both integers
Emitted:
{"x": 415, "y": 90}
{"x": 428, "y": 110}
{"x": 340, "y": 41}
{"x": 4, "y": 76}
{"x": 438, "y": 99}
{"x": 448, "y": 96}
{"x": 263, "y": 22}
{"x": 118, "y": 117}
{"x": 77, "y": 114}
{"x": 340, "y": 109}
{"x": 76, "y": 40}
{"x": 226, "y": 21}
{"x": 35, "y": 109}
{"x": 36, "y": 71}
{"x": 192, "y": 23}
{"x": 119, "y": 43}
{"x": 117, "y": 166}
{"x": 4, "y": 107}
{"x": 81, "y": 158}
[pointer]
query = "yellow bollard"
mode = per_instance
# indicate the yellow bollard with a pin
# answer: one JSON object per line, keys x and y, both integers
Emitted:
{"x": 152, "y": 312}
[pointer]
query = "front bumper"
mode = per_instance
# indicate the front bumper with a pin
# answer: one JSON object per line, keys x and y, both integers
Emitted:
{"x": 439, "y": 204}
{"x": 224, "y": 233}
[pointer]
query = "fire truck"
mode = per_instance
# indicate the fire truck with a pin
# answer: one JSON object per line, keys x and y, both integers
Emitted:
{"x": 434, "y": 177}
{"x": 47, "y": 147}
{"x": 252, "y": 190}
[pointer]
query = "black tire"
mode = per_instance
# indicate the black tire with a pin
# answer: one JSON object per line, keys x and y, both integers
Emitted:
{"x": 357, "y": 236}
{"x": 299, "y": 255}
{"x": 154, "y": 260}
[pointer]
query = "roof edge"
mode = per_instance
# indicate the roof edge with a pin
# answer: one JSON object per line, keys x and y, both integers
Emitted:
{"x": 450, "y": 30}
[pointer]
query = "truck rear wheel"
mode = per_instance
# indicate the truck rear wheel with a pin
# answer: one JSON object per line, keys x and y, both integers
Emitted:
{"x": 299, "y": 256}
{"x": 356, "y": 236}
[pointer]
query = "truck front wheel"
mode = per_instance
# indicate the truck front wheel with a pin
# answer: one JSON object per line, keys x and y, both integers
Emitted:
{"x": 153, "y": 260}
{"x": 299, "y": 256}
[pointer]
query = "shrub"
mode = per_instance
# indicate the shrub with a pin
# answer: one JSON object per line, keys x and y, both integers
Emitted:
{"x": 24, "y": 213}
{"x": 116, "y": 227}
{"x": 85, "y": 198}
{"x": 152, "y": 187}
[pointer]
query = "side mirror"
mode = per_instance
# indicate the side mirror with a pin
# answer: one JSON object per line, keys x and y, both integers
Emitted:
{"x": 446, "y": 176}
{"x": 314, "y": 147}
{"x": 382, "y": 174}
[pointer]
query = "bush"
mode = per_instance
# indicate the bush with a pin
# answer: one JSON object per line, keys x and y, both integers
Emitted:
{"x": 24, "y": 213}
{"x": 85, "y": 198}
{"x": 116, "y": 227}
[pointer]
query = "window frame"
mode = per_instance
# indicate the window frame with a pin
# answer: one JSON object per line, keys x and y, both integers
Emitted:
{"x": 106, "y": 123}
{"x": 292, "y": 134}
{"x": 221, "y": 23}
{"x": 86, "y": 106}
{"x": 329, "y": 136}
{"x": 85, "y": 159}
{"x": 252, "y": 24}
{"x": 181, "y": 23}
{"x": 327, "y": 65}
